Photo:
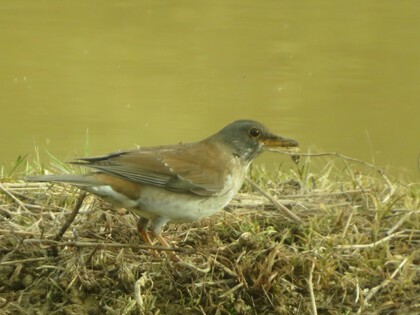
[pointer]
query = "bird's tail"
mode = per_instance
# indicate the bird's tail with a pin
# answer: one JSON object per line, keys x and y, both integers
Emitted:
{"x": 76, "y": 180}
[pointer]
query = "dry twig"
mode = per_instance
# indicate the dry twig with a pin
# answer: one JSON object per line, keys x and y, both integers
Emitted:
{"x": 278, "y": 205}
{"x": 385, "y": 283}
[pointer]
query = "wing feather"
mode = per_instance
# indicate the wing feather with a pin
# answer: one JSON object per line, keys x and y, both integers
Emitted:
{"x": 196, "y": 168}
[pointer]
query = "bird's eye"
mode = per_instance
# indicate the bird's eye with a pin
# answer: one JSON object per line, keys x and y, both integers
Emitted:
{"x": 254, "y": 132}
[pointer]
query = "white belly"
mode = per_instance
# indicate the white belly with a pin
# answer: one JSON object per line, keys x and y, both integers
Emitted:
{"x": 177, "y": 207}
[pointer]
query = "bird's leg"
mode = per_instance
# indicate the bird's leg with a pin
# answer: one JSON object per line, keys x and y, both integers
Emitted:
{"x": 156, "y": 228}
{"x": 162, "y": 241}
{"x": 174, "y": 257}
{"x": 142, "y": 224}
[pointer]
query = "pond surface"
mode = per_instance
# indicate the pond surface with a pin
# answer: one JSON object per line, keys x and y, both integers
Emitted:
{"x": 339, "y": 76}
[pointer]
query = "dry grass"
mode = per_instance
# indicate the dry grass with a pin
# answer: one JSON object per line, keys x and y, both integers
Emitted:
{"x": 357, "y": 250}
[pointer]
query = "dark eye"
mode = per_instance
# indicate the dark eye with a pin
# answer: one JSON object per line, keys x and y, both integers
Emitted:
{"x": 254, "y": 132}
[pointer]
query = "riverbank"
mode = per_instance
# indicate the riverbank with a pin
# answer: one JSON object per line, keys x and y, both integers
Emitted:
{"x": 353, "y": 249}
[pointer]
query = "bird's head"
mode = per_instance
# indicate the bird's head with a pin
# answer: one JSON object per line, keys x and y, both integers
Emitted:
{"x": 248, "y": 138}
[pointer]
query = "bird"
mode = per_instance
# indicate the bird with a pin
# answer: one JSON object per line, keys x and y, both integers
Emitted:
{"x": 177, "y": 183}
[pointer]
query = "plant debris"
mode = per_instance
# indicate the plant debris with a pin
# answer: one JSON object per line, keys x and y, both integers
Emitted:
{"x": 352, "y": 248}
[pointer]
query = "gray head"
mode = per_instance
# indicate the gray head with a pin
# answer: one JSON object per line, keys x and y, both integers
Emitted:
{"x": 248, "y": 138}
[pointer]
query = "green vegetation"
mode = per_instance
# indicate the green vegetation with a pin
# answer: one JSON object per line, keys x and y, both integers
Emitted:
{"x": 356, "y": 251}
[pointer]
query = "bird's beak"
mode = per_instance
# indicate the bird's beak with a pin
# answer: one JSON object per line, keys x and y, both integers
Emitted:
{"x": 276, "y": 143}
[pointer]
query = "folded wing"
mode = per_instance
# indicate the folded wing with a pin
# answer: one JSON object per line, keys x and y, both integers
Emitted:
{"x": 181, "y": 168}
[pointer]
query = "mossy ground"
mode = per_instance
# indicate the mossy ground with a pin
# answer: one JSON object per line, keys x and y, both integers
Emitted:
{"x": 357, "y": 250}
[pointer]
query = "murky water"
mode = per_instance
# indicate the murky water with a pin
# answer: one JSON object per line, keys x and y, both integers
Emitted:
{"x": 340, "y": 76}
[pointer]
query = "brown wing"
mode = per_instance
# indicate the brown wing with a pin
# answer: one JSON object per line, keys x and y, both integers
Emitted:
{"x": 194, "y": 167}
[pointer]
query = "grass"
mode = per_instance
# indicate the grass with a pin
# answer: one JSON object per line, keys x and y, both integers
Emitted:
{"x": 355, "y": 251}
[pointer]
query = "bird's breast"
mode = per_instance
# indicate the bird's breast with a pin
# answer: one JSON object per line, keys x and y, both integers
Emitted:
{"x": 153, "y": 201}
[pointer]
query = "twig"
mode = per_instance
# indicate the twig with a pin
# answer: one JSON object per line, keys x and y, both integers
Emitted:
{"x": 20, "y": 203}
{"x": 346, "y": 227}
{"x": 224, "y": 268}
{"x": 399, "y": 223}
{"x": 214, "y": 282}
{"x": 192, "y": 267}
{"x": 22, "y": 261}
{"x": 24, "y": 185}
{"x": 278, "y": 205}
{"x": 371, "y": 245}
{"x": 101, "y": 245}
{"x": 311, "y": 290}
{"x": 339, "y": 193}
{"x": 344, "y": 157}
{"x": 386, "y": 282}
{"x": 230, "y": 291}
{"x": 50, "y": 242}
{"x": 24, "y": 233}
{"x": 71, "y": 217}
{"x": 68, "y": 222}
